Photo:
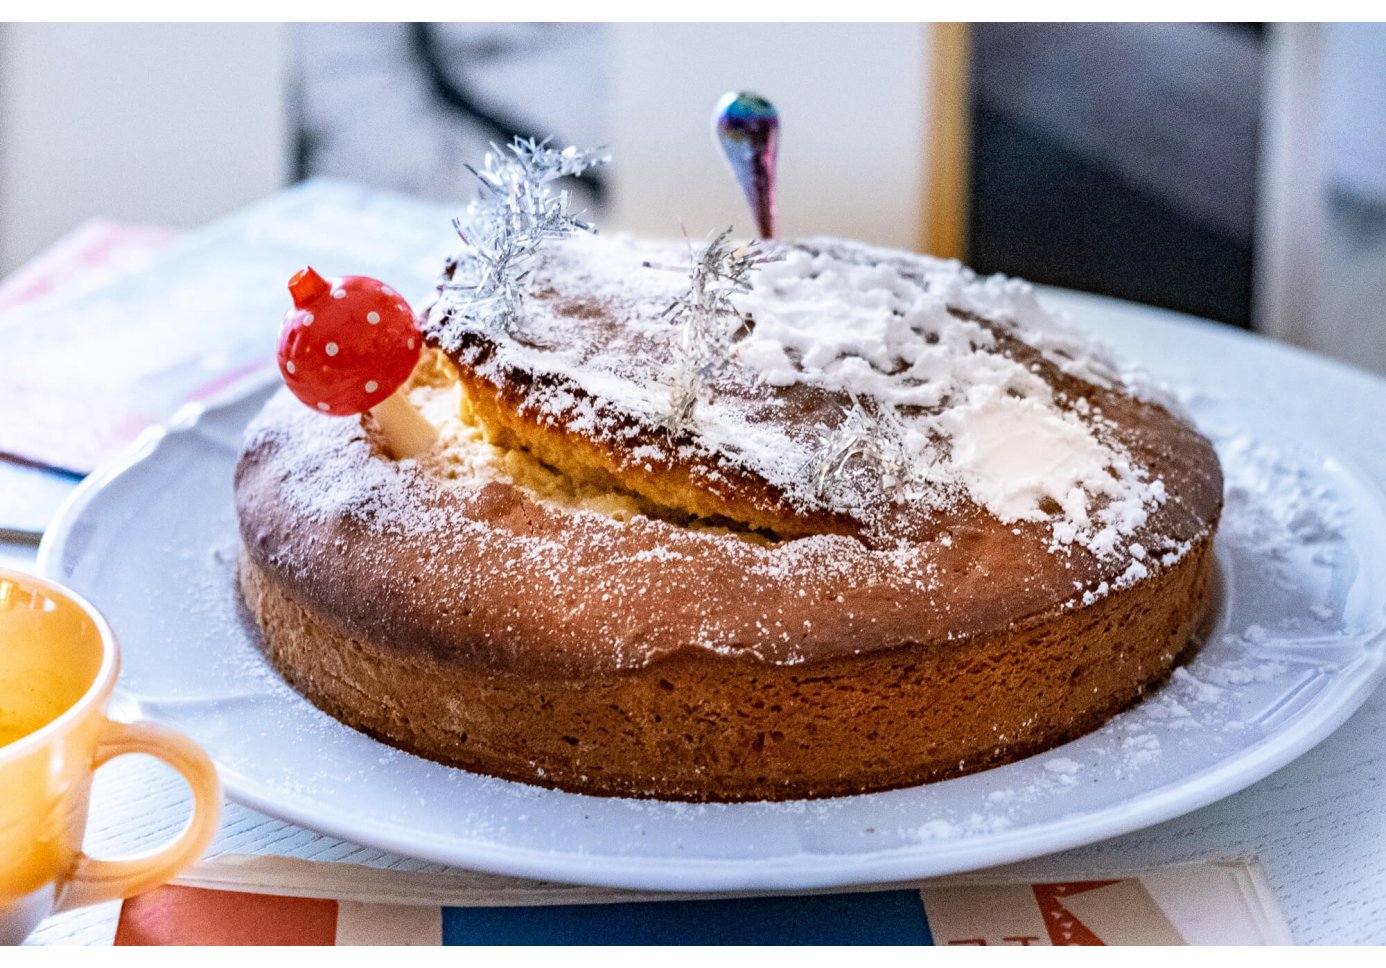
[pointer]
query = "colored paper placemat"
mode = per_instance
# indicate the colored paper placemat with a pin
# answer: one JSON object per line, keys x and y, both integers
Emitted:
{"x": 274, "y": 900}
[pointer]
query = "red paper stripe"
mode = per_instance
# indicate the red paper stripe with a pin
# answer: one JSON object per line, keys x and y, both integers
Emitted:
{"x": 194, "y": 916}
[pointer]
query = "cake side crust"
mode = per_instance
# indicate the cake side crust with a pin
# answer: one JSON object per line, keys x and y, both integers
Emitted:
{"x": 704, "y": 727}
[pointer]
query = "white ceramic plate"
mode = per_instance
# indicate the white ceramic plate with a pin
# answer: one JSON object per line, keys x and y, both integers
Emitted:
{"x": 1295, "y": 646}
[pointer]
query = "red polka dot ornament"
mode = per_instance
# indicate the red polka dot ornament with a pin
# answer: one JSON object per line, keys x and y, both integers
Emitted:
{"x": 346, "y": 347}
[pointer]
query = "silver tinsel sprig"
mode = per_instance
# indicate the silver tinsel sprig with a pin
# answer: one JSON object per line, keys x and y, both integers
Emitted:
{"x": 516, "y": 210}
{"x": 707, "y": 318}
{"x": 862, "y": 441}
{"x": 721, "y": 270}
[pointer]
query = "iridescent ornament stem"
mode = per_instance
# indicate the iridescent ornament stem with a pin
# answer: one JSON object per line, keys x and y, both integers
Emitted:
{"x": 748, "y": 129}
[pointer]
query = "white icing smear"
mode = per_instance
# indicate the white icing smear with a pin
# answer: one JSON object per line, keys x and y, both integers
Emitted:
{"x": 1014, "y": 453}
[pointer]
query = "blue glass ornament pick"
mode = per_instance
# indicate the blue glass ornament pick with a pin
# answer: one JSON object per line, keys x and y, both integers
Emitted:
{"x": 748, "y": 129}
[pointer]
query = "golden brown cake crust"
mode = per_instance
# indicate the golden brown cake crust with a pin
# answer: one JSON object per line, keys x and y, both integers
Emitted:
{"x": 815, "y": 650}
{"x": 705, "y": 727}
{"x": 481, "y": 574}
{"x": 481, "y": 628}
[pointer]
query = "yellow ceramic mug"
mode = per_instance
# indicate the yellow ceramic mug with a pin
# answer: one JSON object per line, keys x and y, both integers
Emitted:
{"x": 58, "y": 664}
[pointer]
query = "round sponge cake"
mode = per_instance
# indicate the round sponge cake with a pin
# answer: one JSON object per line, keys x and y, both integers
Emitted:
{"x": 904, "y": 526}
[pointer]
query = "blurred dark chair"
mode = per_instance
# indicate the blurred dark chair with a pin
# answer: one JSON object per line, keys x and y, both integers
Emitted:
{"x": 1113, "y": 158}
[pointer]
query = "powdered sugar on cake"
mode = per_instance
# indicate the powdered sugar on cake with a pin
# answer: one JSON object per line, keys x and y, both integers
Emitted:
{"x": 954, "y": 376}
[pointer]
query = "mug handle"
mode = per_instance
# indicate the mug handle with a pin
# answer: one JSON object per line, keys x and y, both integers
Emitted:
{"x": 93, "y": 881}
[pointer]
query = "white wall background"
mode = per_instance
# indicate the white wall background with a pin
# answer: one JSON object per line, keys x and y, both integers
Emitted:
{"x": 177, "y": 124}
{"x": 853, "y": 117}
{"x": 167, "y": 124}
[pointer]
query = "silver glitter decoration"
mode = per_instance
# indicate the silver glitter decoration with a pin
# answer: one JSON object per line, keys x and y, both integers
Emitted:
{"x": 707, "y": 318}
{"x": 517, "y": 210}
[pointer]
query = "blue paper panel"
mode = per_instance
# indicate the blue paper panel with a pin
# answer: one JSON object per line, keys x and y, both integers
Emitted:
{"x": 877, "y": 917}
